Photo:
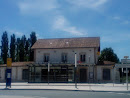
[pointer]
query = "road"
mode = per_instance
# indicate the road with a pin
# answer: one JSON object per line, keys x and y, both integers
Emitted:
{"x": 59, "y": 94}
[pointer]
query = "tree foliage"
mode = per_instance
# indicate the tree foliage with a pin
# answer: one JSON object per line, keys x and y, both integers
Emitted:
{"x": 12, "y": 47}
{"x": 108, "y": 54}
{"x": 19, "y": 49}
{"x": 4, "y": 47}
{"x": 33, "y": 39}
{"x": 22, "y": 48}
{"x": 27, "y": 47}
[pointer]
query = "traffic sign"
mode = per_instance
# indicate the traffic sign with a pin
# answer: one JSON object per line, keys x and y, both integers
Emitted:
{"x": 9, "y": 62}
{"x": 126, "y": 57}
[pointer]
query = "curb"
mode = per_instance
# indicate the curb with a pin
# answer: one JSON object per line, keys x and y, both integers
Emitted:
{"x": 70, "y": 90}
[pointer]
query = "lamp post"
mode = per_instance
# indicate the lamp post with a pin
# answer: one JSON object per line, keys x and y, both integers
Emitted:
{"x": 126, "y": 57}
{"x": 114, "y": 76}
{"x": 48, "y": 71}
{"x": 75, "y": 70}
{"x": 127, "y": 77}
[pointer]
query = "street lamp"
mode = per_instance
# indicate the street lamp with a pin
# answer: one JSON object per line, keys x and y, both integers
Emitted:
{"x": 126, "y": 57}
{"x": 75, "y": 70}
{"x": 48, "y": 71}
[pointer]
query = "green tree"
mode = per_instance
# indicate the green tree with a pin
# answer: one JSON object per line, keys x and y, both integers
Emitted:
{"x": 22, "y": 48}
{"x": 4, "y": 47}
{"x": 12, "y": 47}
{"x": 1, "y": 61}
{"x": 108, "y": 54}
{"x": 17, "y": 49}
{"x": 27, "y": 50}
{"x": 33, "y": 39}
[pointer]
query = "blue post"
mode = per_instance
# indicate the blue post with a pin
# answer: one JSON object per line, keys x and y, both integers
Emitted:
{"x": 8, "y": 77}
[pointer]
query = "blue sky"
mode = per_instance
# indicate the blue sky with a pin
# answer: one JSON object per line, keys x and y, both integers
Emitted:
{"x": 108, "y": 19}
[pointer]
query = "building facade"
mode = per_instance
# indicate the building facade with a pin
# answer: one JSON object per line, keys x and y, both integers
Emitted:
{"x": 60, "y": 54}
{"x": 19, "y": 72}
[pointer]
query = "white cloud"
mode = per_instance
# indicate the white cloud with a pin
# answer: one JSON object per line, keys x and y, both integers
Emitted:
{"x": 116, "y": 18}
{"x": 38, "y": 36}
{"x": 117, "y": 38}
{"x": 126, "y": 22}
{"x": 61, "y": 24}
{"x": 17, "y": 33}
{"x": 109, "y": 39}
{"x": 37, "y": 6}
{"x": 42, "y": 7}
{"x": 93, "y": 4}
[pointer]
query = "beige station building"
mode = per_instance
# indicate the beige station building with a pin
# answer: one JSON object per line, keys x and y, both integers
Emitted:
{"x": 59, "y": 54}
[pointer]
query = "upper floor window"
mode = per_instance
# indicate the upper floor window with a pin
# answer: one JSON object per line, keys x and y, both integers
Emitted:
{"x": 64, "y": 57}
{"x": 82, "y": 57}
{"x": 46, "y": 57}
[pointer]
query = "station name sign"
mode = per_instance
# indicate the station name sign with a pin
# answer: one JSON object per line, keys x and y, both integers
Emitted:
{"x": 125, "y": 61}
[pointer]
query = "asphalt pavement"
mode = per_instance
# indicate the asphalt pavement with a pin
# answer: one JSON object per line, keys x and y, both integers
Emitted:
{"x": 59, "y": 94}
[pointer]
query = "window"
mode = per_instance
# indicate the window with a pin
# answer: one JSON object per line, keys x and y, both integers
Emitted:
{"x": 25, "y": 74}
{"x": 106, "y": 74}
{"x": 82, "y": 57}
{"x": 46, "y": 57}
{"x": 64, "y": 57}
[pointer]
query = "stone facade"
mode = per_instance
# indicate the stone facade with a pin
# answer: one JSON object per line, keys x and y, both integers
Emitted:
{"x": 99, "y": 73}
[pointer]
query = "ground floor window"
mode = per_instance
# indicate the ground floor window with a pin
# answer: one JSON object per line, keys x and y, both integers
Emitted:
{"x": 25, "y": 74}
{"x": 106, "y": 74}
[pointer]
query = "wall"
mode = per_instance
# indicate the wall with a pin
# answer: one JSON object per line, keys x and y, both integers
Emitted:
{"x": 2, "y": 74}
{"x": 16, "y": 74}
{"x": 55, "y": 54}
{"x": 100, "y": 74}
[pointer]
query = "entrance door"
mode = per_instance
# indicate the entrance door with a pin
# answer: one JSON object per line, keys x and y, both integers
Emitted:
{"x": 83, "y": 75}
{"x": 44, "y": 74}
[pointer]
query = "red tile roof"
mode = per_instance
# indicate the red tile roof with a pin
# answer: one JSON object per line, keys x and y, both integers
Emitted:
{"x": 82, "y": 42}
